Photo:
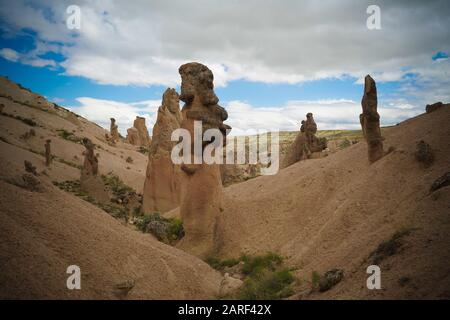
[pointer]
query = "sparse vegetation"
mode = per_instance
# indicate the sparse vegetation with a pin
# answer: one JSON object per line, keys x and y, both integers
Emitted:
{"x": 345, "y": 144}
{"x": 143, "y": 150}
{"x": 164, "y": 229}
{"x": 315, "y": 279}
{"x": 73, "y": 186}
{"x": 129, "y": 160}
{"x": 265, "y": 276}
{"x": 389, "y": 247}
{"x": 69, "y": 136}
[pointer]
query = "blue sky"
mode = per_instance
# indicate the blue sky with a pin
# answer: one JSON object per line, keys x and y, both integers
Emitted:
{"x": 268, "y": 71}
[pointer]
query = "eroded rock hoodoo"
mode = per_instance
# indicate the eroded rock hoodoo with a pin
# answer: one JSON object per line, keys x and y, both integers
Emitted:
{"x": 370, "y": 120}
{"x": 90, "y": 181}
{"x": 162, "y": 183}
{"x": 201, "y": 185}
{"x": 306, "y": 143}
{"x": 48, "y": 153}
{"x": 138, "y": 134}
{"x": 114, "y": 131}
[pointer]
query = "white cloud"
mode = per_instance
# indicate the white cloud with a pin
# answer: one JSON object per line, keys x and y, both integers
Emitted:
{"x": 100, "y": 111}
{"x": 329, "y": 115}
{"x": 247, "y": 119}
{"x": 29, "y": 58}
{"x": 143, "y": 42}
{"x": 9, "y": 54}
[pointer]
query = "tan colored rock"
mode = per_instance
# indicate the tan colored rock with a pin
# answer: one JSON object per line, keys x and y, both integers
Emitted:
{"x": 306, "y": 144}
{"x": 114, "y": 130}
{"x": 133, "y": 136}
{"x": 436, "y": 106}
{"x": 90, "y": 181}
{"x": 201, "y": 185}
{"x": 370, "y": 120}
{"x": 48, "y": 153}
{"x": 144, "y": 137}
{"x": 29, "y": 167}
{"x": 162, "y": 183}
{"x": 138, "y": 134}
{"x": 229, "y": 285}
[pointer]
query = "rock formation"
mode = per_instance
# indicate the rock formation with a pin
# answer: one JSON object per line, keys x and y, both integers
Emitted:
{"x": 114, "y": 130}
{"x": 201, "y": 185}
{"x": 310, "y": 128}
{"x": 133, "y": 136}
{"x": 435, "y": 106}
{"x": 305, "y": 144}
{"x": 424, "y": 154}
{"x": 144, "y": 137}
{"x": 161, "y": 187}
{"x": 370, "y": 120}
{"x": 138, "y": 134}
{"x": 48, "y": 153}
{"x": 29, "y": 167}
{"x": 90, "y": 181}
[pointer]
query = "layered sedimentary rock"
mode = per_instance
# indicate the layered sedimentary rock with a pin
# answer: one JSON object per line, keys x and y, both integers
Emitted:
{"x": 138, "y": 134}
{"x": 114, "y": 131}
{"x": 306, "y": 142}
{"x": 370, "y": 120}
{"x": 201, "y": 185}
{"x": 162, "y": 183}
{"x": 90, "y": 181}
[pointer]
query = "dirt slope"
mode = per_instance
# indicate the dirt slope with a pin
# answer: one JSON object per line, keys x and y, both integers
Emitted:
{"x": 50, "y": 120}
{"x": 333, "y": 212}
{"x": 41, "y": 234}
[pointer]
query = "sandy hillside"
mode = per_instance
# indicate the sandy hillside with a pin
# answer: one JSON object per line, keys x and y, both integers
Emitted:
{"x": 42, "y": 233}
{"x": 53, "y": 122}
{"x": 321, "y": 214}
{"x": 333, "y": 212}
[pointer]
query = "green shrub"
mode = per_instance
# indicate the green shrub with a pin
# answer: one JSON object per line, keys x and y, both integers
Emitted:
{"x": 218, "y": 264}
{"x": 69, "y": 136}
{"x": 267, "y": 285}
{"x": 315, "y": 279}
{"x": 164, "y": 229}
{"x": 143, "y": 150}
{"x": 254, "y": 265}
{"x": 265, "y": 276}
{"x": 345, "y": 143}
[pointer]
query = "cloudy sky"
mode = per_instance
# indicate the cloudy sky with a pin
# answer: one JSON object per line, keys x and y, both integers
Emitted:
{"x": 273, "y": 61}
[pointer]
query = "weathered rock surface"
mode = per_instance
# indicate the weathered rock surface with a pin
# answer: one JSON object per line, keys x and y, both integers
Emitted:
{"x": 435, "y": 106}
{"x": 138, "y": 134}
{"x": 442, "y": 181}
{"x": 229, "y": 285}
{"x": 162, "y": 183}
{"x": 48, "y": 153}
{"x": 133, "y": 136}
{"x": 114, "y": 131}
{"x": 330, "y": 279}
{"x": 424, "y": 154}
{"x": 305, "y": 144}
{"x": 201, "y": 184}
{"x": 370, "y": 120}
{"x": 90, "y": 181}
